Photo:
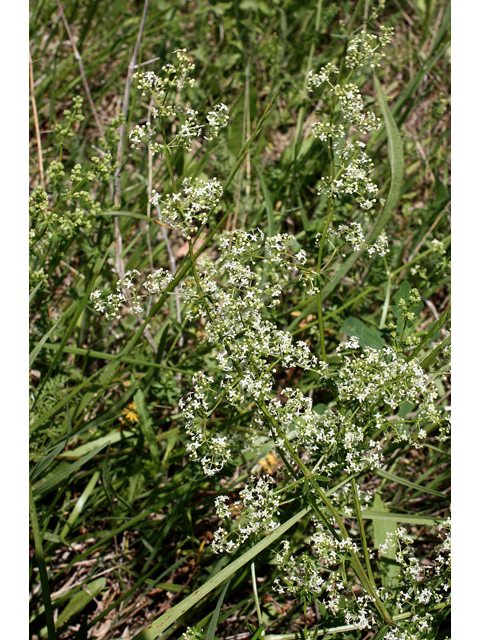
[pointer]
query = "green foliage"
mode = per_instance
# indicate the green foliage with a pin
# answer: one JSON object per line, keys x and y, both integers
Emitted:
{"x": 208, "y": 304}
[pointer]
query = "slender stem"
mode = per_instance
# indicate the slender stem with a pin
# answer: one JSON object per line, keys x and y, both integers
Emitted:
{"x": 362, "y": 531}
{"x": 255, "y": 594}
{"x": 248, "y": 143}
{"x": 356, "y": 564}
{"x": 408, "y": 264}
{"x": 355, "y": 561}
{"x": 387, "y": 297}
{"x": 319, "y": 279}
{"x": 320, "y": 325}
{"x": 318, "y": 18}
{"x": 168, "y": 162}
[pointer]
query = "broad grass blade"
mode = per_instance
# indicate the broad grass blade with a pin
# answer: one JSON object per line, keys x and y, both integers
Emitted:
{"x": 155, "y": 628}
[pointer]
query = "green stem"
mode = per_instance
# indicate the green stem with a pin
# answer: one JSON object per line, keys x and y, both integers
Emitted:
{"x": 355, "y": 561}
{"x": 255, "y": 593}
{"x": 319, "y": 279}
{"x": 318, "y": 18}
{"x": 167, "y": 160}
{"x": 356, "y": 564}
{"x": 362, "y": 531}
{"x": 387, "y": 297}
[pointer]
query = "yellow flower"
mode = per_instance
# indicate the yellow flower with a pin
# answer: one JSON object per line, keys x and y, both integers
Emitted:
{"x": 268, "y": 463}
{"x": 130, "y": 413}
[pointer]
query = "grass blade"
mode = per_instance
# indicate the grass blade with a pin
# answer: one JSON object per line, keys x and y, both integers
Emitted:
{"x": 38, "y": 346}
{"x": 382, "y": 527}
{"x": 146, "y": 424}
{"x": 373, "y": 514}
{"x": 214, "y": 620}
{"x": 155, "y": 628}
{"x": 406, "y": 483}
{"x": 268, "y": 204}
{"x": 42, "y": 568}
{"x": 60, "y": 477}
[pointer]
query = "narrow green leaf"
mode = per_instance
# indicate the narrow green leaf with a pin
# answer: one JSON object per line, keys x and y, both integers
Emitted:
{"x": 127, "y": 214}
{"x": 268, "y": 203}
{"x": 79, "y": 307}
{"x": 433, "y": 329}
{"x": 34, "y": 292}
{"x": 77, "y": 510}
{"x": 46, "y": 460}
{"x": 406, "y": 483}
{"x": 111, "y": 356}
{"x": 62, "y": 476}
{"x": 426, "y": 362}
{"x": 214, "y": 619}
{"x": 372, "y": 514}
{"x": 51, "y": 412}
{"x": 81, "y": 599}
{"x": 38, "y": 346}
{"x": 113, "y": 437}
{"x": 146, "y": 424}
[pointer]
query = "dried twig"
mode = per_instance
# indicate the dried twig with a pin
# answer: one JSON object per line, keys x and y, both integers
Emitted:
{"x": 78, "y": 58}
{"x": 35, "y": 119}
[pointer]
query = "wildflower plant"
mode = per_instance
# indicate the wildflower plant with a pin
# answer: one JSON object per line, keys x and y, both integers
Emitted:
{"x": 235, "y": 408}
{"x": 328, "y": 413}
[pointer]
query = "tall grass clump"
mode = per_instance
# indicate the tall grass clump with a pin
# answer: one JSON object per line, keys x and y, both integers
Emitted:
{"x": 240, "y": 299}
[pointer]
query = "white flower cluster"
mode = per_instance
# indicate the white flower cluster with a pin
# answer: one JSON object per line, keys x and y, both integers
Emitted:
{"x": 249, "y": 346}
{"x": 174, "y": 78}
{"x": 255, "y": 512}
{"x": 353, "y": 234}
{"x": 352, "y": 177}
{"x": 380, "y": 246}
{"x": 158, "y": 281}
{"x": 196, "y": 410}
{"x": 365, "y": 48}
{"x": 315, "y": 80}
{"x": 379, "y": 377}
{"x": 325, "y": 130}
{"x": 110, "y": 304}
{"x": 438, "y": 247}
{"x": 193, "y": 633}
{"x": 406, "y": 306}
{"x": 318, "y": 573}
{"x": 217, "y": 119}
{"x": 380, "y": 380}
{"x": 189, "y": 130}
{"x": 420, "y": 586}
{"x": 351, "y": 107}
{"x": 189, "y": 210}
